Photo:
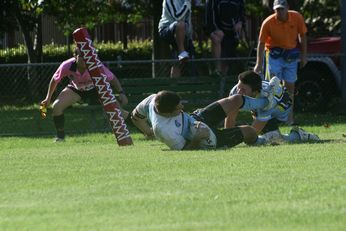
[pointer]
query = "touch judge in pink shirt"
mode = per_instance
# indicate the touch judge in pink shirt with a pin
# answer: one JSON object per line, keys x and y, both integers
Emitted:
{"x": 79, "y": 88}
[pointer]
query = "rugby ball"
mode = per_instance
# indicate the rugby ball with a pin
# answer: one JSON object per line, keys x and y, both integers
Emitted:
{"x": 208, "y": 143}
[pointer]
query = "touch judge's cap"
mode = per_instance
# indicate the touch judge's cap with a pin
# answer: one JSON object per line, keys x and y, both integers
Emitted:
{"x": 280, "y": 4}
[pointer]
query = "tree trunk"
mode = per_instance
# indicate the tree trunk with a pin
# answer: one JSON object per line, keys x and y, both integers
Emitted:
{"x": 69, "y": 42}
{"x": 32, "y": 56}
{"x": 11, "y": 39}
{"x": 124, "y": 35}
{"x": 24, "y": 20}
{"x": 38, "y": 41}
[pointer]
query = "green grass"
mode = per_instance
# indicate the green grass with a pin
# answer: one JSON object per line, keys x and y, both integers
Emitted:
{"x": 89, "y": 183}
{"x": 26, "y": 120}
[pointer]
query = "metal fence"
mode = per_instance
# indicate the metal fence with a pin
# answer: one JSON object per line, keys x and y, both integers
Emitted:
{"x": 23, "y": 86}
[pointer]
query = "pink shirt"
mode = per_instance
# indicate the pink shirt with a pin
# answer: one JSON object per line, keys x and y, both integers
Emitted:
{"x": 79, "y": 81}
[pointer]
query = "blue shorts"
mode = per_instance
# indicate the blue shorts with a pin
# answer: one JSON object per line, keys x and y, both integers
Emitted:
{"x": 278, "y": 113}
{"x": 168, "y": 34}
{"x": 284, "y": 70}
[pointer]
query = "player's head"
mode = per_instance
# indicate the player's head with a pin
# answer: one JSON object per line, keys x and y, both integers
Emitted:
{"x": 78, "y": 56}
{"x": 281, "y": 9}
{"x": 249, "y": 83}
{"x": 168, "y": 103}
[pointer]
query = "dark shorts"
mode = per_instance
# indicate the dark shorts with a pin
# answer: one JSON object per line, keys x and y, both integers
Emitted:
{"x": 228, "y": 46}
{"x": 213, "y": 115}
{"x": 168, "y": 34}
{"x": 91, "y": 97}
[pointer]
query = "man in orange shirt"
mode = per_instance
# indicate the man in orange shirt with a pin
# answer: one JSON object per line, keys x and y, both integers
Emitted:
{"x": 279, "y": 37}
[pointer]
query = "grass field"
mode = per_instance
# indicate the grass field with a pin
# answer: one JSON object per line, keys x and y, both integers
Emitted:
{"x": 88, "y": 183}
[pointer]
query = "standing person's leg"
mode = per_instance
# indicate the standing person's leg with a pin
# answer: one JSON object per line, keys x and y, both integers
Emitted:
{"x": 287, "y": 72}
{"x": 216, "y": 38}
{"x": 66, "y": 98}
{"x": 289, "y": 77}
{"x": 275, "y": 67}
{"x": 170, "y": 35}
{"x": 183, "y": 67}
{"x": 190, "y": 68}
{"x": 290, "y": 89}
{"x": 175, "y": 71}
{"x": 178, "y": 30}
{"x": 180, "y": 35}
{"x": 228, "y": 50}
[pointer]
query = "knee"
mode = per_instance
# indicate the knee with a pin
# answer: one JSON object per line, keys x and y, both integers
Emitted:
{"x": 236, "y": 100}
{"x": 231, "y": 104}
{"x": 180, "y": 26}
{"x": 249, "y": 134}
{"x": 215, "y": 41}
{"x": 57, "y": 108}
{"x": 217, "y": 36}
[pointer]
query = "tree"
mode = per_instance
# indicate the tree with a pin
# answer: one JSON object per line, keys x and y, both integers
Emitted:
{"x": 7, "y": 22}
{"x": 26, "y": 15}
{"x": 126, "y": 12}
{"x": 322, "y": 17}
{"x": 70, "y": 15}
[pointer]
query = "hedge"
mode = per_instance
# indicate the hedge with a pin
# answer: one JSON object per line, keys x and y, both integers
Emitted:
{"x": 137, "y": 50}
{"x": 57, "y": 53}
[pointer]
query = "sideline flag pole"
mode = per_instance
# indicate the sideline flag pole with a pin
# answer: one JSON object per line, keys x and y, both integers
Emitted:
{"x": 105, "y": 93}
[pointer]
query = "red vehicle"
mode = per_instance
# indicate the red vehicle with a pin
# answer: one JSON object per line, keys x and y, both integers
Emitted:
{"x": 320, "y": 80}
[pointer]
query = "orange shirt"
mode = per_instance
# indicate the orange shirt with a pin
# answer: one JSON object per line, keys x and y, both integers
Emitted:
{"x": 275, "y": 33}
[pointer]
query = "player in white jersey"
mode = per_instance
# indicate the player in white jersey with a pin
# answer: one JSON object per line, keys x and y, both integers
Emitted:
{"x": 173, "y": 130}
{"x": 160, "y": 115}
{"x": 266, "y": 121}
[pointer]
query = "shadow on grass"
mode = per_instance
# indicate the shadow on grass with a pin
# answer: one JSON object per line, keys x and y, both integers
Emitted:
{"x": 26, "y": 121}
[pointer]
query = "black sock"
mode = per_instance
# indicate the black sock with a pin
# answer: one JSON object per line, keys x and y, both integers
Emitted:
{"x": 229, "y": 137}
{"x": 59, "y": 122}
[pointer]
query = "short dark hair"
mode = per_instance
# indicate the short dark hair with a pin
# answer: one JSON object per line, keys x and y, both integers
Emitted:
{"x": 252, "y": 79}
{"x": 166, "y": 101}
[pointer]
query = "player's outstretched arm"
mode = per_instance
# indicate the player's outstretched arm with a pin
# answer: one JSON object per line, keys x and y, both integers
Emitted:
{"x": 259, "y": 58}
{"x": 142, "y": 125}
{"x": 51, "y": 88}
